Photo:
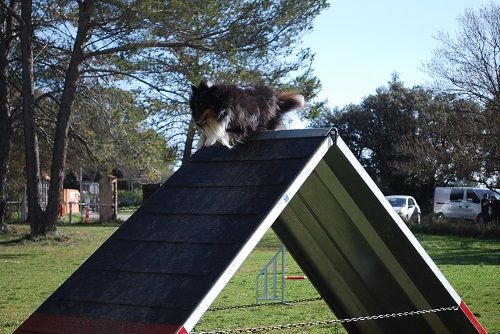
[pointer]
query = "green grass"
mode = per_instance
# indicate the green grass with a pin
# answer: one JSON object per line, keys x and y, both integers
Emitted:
{"x": 472, "y": 267}
{"x": 31, "y": 271}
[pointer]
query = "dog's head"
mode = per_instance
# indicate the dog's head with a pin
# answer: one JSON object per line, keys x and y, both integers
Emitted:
{"x": 205, "y": 103}
{"x": 208, "y": 111}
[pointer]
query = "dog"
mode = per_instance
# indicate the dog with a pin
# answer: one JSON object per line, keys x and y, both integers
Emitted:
{"x": 228, "y": 114}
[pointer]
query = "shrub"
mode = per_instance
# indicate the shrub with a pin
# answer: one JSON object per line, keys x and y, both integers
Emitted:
{"x": 463, "y": 228}
{"x": 129, "y": 198}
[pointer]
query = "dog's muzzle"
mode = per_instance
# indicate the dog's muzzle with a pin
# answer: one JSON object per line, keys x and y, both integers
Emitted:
{"x": 205, "y": 116}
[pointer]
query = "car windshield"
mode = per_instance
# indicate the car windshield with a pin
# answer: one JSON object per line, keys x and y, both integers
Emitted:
{"x": 397, "y": 202}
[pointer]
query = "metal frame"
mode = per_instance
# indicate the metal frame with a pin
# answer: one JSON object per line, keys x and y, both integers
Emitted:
{"x": 262, "y": 295}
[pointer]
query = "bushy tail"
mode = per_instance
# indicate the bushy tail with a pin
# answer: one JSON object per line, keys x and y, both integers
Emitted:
{"x": 288, "y": 101}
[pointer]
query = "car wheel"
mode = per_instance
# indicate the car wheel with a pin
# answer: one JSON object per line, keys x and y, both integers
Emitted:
{"x": 439, "y": 217}
{"x": 415, "y": 217}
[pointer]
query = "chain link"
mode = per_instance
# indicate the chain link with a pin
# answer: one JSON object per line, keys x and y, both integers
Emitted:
{"x": 330, "y": 322}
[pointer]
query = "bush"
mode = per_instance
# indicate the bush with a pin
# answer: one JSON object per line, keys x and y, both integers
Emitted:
{"x": 463, "y": 228}
{"x": 128, "y": 198}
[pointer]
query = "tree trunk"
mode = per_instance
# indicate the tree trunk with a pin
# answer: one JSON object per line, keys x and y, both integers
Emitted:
{"x": 5, "y": 145}
{"x": 5, "y": 113}
{"x": 5, "y": 133}
{"x": 63, "y": 117}
{"x": 30, "y": 129}
{"x": 188, "y": 145}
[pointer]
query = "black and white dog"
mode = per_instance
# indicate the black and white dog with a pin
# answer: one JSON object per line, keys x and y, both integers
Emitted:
{"x": 227, "y": 114}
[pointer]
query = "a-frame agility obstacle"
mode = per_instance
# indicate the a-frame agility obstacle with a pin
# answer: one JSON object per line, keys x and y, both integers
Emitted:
{"x": 161, "y": 270}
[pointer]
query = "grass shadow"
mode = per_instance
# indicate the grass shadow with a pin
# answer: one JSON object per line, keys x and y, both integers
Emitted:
{"x": 14, "y": 256}
{"x": 14, "y": 239}
{"x": 468, "y": 257}
{"x": 23, "y": 239}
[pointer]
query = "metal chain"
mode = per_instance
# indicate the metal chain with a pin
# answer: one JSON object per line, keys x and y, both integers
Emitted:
{"x": 330, "y": 322}
{"x": 222, "y": 308}
{"x": 399, "y": 314}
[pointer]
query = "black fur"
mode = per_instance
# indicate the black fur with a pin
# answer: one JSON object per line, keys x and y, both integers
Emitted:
{"x": 228, "y": 113}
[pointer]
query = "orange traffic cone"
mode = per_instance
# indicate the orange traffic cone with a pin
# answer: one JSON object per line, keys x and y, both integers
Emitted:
{"x": 87, "y": 214}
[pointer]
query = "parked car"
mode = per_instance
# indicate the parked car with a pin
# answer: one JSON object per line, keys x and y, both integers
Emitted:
{"x": 459, "y": 203}
{"x": 406, "y": 207}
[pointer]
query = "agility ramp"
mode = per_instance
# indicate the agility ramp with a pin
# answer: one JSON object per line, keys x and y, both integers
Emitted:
{"x": 161, "y": 270}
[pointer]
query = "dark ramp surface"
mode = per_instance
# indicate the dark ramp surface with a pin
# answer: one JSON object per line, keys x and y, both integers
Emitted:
{"x": 163, "y": 268}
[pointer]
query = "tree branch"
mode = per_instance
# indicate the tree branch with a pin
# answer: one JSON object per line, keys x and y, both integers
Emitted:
{"x": 12, "y": 12}
{"x": 149, "y": 84}
{"x": 146, "y": 45}
{"x": 84, "y": 142}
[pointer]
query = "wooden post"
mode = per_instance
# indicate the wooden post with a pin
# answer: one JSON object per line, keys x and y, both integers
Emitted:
{"x": 107, "y": 198}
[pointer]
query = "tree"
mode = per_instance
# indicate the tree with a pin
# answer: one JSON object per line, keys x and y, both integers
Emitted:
{"x": 32, "y": 155}
{"x": 373, "y": 128}
{"x": 265, "y": 52}
{"x": 139, "y": 43}
{"x": 468, "y": 65}
{"x": 439, "y": 151}
{"x": 375, "y": 131}
{"x": 352, "y": 123}
{"x": 6, "y": 37}
{"x": 122, "y": 140}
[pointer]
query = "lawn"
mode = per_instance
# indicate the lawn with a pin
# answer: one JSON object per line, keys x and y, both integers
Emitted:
{"x": 31, "y": 271}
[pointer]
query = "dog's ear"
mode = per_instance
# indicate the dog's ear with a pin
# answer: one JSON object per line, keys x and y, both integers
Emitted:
{"x": 194, "y": 89}
{"x": 204, "y": 84}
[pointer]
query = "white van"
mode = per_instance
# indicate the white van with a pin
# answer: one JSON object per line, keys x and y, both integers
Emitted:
{"x": 458, "y": 203}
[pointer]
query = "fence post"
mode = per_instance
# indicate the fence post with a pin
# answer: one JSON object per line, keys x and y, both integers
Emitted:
{"x": 24, "y": 206}
{"x": 71, "y": 212}
{"x": 283, "y": 266}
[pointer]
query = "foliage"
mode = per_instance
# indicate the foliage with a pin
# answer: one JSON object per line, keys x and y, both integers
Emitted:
{"x": 467, "y": 64}
{"x": 127, "y": 198}
{"x": 88, "y": 51}
{"x": 113, "y": 133}
{"x": 461, "y": 228}
{"x": 374, "y": 130}
{"x": 412, "y": 139}
{"x": 444, "y": 146}
{"x": 259, "y": 44}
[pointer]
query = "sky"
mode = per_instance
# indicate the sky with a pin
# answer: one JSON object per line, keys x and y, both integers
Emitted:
{"x": 360, "y": 43}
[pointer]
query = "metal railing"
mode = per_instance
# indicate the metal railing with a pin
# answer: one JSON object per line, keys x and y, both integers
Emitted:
{"x": 267, "y": 279}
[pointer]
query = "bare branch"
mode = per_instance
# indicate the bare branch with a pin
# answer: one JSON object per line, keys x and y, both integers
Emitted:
{"x": 147, "y": 45}
{"x": 12, "y": 12}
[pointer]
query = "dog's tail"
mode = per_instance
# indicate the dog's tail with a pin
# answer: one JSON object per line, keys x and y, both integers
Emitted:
{"x": 288, "y": 101}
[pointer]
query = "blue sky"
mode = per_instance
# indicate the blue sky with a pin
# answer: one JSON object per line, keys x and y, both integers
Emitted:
{"x": 360, "y": 43}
